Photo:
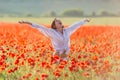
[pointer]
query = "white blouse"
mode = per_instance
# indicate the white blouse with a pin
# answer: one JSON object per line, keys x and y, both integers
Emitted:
{"x": 60, "y": 42}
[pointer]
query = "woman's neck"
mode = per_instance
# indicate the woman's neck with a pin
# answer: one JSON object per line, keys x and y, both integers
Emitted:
{"x": 60, "y": 30}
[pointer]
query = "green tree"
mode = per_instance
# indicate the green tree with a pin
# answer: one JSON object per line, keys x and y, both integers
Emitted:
{"x": 106, "y": 13}
{"x": 73, "y": 13}
{"x": 93, "y": 14}
{"x": 52, "y": 14}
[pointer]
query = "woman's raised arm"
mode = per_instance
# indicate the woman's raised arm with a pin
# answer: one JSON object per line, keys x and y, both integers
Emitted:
{"x": 71, "y": 29}
{"x": 46, "y": 31}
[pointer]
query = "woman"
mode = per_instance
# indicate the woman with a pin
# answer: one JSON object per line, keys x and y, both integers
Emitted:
{"x": 60, "y": 36}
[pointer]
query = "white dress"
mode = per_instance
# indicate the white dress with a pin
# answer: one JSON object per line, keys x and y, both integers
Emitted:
{"x": 60, "y": 42}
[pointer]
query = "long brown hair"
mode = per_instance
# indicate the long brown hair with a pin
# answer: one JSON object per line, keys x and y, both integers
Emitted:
{"x": 53, "y": 26}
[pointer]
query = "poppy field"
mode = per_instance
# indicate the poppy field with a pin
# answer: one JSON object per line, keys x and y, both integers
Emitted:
{"x": 26, "y": 54}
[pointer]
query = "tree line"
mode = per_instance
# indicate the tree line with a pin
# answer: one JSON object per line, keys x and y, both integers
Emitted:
{"x": 80, "y": 13}
{"x": 69, "y": 13}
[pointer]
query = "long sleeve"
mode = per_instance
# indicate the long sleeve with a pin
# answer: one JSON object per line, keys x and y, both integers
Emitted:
{"x": 71, "y": 29}
{"x": 42, "y": 29}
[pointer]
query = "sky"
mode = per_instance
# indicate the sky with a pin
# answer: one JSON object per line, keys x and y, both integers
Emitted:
{"x": 58, "y": 6}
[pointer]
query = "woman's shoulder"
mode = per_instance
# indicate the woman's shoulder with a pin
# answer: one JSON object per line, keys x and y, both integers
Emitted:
{"x": 52, "y": 30}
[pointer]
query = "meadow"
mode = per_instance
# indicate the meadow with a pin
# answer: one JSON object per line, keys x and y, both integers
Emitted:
{"x": 25, "y": 54}
{"x": 65, "y": 20}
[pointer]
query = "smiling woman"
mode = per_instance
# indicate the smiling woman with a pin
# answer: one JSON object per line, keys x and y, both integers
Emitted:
{"x": 60, "y": 36}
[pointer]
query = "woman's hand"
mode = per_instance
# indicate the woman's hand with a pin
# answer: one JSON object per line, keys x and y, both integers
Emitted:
{"x": 25, "y": 22}
{"x": 87, "y": 20}
{"x": 63, "y": 55}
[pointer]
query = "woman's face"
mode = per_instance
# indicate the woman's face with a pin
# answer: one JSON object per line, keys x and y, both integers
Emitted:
{"x": 58, "y": 24}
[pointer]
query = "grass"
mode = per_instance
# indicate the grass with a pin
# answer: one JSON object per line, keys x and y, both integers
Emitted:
{"x": 65, "y": 20}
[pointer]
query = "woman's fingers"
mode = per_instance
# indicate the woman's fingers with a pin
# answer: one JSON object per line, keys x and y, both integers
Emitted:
{"x": 57, "y": 53}
{"x": 88, "y": 20}
{"x": 63, "y": 55}
{"x": 21, "y": 22}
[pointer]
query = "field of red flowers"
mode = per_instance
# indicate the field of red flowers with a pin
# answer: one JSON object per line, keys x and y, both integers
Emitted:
{"x": 25, "y": 54}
